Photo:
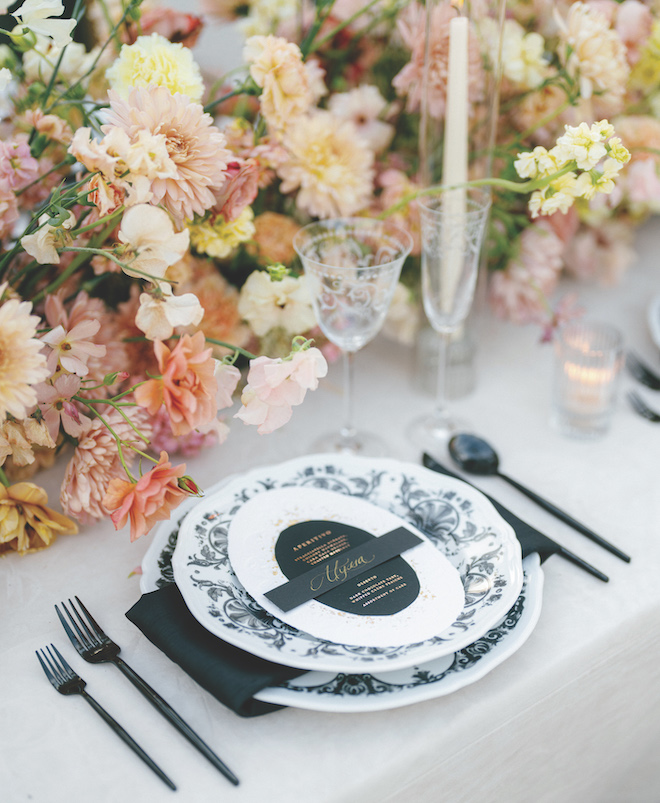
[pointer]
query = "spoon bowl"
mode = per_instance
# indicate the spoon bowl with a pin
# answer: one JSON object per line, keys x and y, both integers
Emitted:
{"x": 476, "y": 456}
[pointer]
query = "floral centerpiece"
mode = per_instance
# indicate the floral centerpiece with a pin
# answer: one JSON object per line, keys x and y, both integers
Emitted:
{"x": 147, "y": 215}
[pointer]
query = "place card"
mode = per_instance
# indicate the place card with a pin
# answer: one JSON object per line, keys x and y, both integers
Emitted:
{"x": 282, "y": 534}
{"x": 352, "y": 578}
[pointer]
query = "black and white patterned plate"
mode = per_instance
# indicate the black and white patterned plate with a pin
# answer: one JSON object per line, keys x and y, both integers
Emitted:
{"x": 459, "y": 520}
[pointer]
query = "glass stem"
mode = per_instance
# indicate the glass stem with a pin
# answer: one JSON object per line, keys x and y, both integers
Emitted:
{"x": 441, "y": 392}
{"x": 348, "y": 431}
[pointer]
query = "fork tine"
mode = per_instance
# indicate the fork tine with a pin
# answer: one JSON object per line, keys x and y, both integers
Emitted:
{"x": 86, "y": 634}
{"x": 52, "y": 664}
{"x": 98, "y": 630}
{"x": 67, "y": 672}
{"x": 76, "y": 640}
{"x": 46, "y": 668}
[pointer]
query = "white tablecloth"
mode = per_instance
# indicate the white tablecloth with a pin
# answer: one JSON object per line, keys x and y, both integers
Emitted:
{"x": 573, "y": 716}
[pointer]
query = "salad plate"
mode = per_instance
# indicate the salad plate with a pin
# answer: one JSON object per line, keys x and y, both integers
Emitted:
{"x": 382, "y": 690}
{"x": 456, "y": 518}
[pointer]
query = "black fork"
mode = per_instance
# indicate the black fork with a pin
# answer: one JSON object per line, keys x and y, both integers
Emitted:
{"x": 641, "y": 407}
{"x": 642, "y": 372}
{"x": 95, "y": 646}
{"x": 66, "y": 681}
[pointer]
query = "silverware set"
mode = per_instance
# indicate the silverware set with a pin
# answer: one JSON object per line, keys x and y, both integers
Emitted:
{"x": 94, "y": 646}
{"x": 647, "y": 377}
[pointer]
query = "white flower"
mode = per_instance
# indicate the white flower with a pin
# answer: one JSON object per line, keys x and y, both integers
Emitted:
{"x": 43, "y": 244}
{"x": 149, "y": 233}
{"x": 227, "y": 377}
{"x": 5, "y": 78}
{"x": 523, "y": 59}
{"x": 39, "y": 62}
{"x": 583, "y": 143}
{"x": 266, "y": 304}
{"x": 363, "y": 106}
{"x": 159, "y": 314}
{"x": 36, "y": 15}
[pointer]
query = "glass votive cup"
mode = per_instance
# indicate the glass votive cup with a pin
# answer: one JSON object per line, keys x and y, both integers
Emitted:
{"x": 588, "y": 358}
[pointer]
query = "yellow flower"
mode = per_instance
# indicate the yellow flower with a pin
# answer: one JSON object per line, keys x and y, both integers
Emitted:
{"x": 646, "y": 73}
{"x": 155, "y": 60}
{"x": 219, "y": 238}
{"x": 22, "y": 364}
{"x": 329, "y": 165}
{"x": 26, "y": 523}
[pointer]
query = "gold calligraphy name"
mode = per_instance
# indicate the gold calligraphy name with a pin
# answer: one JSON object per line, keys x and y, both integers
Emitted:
{"x": 338, "y": 571}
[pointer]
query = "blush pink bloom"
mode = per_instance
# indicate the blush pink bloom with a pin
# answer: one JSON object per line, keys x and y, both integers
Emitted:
{"x": 164, "y": 440}
{"x": 643, "y": 184}
{"x": 8, "y": 209}
{"x": 187, "y": 386}
{"x": 239, "y": 190}
{"x": 17, "y": 165}
{"x": 195, "y": 146}
{"x": 57, "y": 408}
{"x": 71, "y": 350}
{"x": 634, "y": 22}
{"x": 412, "y": 28}
{"x": 150, "y": 499}
{"x": 602, "y": 253}
{"x": 276, "y": 386}
{"x": 227, "y": 377}
{"x": 520, "y": 292}
{"x": 96, "y": 462}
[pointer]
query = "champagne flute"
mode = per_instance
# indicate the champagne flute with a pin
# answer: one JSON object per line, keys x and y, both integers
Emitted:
{"x": 352, "y": 267}
{"x": 453, "y": 227}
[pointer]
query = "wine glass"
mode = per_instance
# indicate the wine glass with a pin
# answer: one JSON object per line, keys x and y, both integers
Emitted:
{"x": 452, "y": 227}
{"x": 352, "y": 267}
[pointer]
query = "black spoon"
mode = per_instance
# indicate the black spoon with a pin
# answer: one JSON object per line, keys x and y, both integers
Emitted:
{"x": 477, "y": 456}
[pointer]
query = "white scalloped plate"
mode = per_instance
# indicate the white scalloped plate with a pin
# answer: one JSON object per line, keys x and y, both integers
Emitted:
{"x": 457, "y": 519}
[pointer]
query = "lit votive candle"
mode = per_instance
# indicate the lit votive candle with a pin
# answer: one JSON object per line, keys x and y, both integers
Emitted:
{"x": 588, "y": 359}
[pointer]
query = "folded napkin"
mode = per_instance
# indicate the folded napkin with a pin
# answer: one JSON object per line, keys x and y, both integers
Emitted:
{"x": 230, "y": 674}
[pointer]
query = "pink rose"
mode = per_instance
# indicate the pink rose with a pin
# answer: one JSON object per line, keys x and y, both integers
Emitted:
{"x": 643, "y": 183}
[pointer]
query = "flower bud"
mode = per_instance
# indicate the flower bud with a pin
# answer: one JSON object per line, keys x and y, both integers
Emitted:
{"x": 188, "y": 484}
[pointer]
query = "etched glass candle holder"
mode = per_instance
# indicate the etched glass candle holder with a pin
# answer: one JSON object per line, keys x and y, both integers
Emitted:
{"x": 588, "y": 358}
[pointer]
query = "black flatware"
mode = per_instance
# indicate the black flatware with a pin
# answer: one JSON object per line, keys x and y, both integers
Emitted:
{"x": 476, "y": 456}
{"x": 642, "y": 372}
{"x": 66, "y": 681}
{"x": 642, "y": 408}
{"x": 95, "y": 646}
{"x": 531, "y": 540}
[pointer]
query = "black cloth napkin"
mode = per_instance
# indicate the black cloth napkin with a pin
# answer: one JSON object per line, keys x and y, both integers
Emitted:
{"x": 230, "y": 674}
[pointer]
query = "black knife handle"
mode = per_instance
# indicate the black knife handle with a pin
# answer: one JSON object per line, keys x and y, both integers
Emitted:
{"x": 566, "y": 518}
{"x": 169, "y": 713}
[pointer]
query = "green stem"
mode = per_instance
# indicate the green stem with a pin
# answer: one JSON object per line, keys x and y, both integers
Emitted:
{"x": 215, "y": 103}
{"x": 338, "y": 28}
{"x": 237, "y": 349}
{"x": 119, "y": 441}
{"x": 3, "y": 478}
{"x": 520, "y": 187}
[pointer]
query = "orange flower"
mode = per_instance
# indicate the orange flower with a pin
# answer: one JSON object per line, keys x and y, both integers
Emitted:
{"x": 187, "y": 386}
{"x": 148, "y": 500}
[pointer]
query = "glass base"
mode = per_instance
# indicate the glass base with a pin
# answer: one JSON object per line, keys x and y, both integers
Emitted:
{"x": 431, "y": 433}
{"x": 362, "y": 444}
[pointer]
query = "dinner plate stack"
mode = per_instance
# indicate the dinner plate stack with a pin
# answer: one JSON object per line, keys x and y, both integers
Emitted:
{"x": 459, "y": 635}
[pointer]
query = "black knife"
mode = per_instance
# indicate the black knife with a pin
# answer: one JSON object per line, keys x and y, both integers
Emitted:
{"x": 531, "y": 540}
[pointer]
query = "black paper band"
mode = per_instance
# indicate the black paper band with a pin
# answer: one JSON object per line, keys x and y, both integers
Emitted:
{"x": 334, "y": 571}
